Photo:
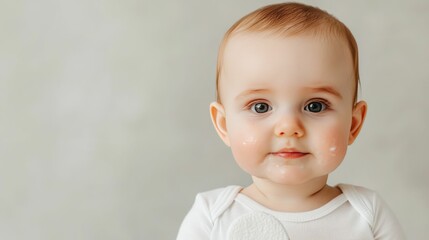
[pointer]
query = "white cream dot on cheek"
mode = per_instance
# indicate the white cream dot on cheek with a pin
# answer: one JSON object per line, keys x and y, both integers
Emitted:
{"x": 249, "y": 140}
{"x": 333, "y": 151}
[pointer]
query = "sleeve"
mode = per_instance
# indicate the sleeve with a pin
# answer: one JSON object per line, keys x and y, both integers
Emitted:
{"x": 198, "y": 222}
{"x": 386, "y": 225}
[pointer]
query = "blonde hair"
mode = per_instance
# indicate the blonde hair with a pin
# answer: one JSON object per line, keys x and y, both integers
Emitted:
{"x": 289, "y": 19}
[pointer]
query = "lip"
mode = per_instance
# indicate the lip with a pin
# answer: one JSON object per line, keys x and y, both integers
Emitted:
{"x": 289, "y": 153}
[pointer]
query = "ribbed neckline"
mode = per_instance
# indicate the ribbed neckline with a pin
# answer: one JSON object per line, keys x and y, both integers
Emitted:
{"x": 294, "y": 216}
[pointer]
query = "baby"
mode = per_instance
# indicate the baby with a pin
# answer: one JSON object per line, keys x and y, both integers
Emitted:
{"x": 287, "y": 83}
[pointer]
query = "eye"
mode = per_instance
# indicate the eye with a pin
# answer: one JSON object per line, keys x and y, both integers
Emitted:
{"x": 315, "y": 107}
{"x": 260, "y": 107}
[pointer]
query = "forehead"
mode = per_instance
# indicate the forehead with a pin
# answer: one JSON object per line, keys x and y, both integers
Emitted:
{"x": 261, "y": 59}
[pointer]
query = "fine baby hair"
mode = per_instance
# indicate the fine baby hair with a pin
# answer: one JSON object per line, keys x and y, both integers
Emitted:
{"x": 287, "y": 80}
{"x": 290, "y": 19}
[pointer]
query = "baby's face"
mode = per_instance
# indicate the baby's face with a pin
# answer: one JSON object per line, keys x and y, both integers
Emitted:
{"x": 288, "y": 104}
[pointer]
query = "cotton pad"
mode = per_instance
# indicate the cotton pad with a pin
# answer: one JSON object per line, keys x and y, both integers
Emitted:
{"x": 257, "y": 226}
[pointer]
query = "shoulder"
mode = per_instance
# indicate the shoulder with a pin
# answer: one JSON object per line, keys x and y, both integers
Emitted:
{"x": 208, "y": 206}
{"x": 364, "y": 200}
{"x": 362, "y": 191}
{"x": 217, "y": 200}
{"x": 363, "y": 195}
{"x": 366, "y": 197}
{"x": 374, "y": 210}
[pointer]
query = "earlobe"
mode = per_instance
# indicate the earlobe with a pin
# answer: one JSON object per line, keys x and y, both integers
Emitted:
{"x": 358, "y": 117}
{"x": 217, "y": 113}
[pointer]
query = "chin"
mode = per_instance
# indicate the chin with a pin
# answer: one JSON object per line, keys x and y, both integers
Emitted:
{"x": 289, "y": 179}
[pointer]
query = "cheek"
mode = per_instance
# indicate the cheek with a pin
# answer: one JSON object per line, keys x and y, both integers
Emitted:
{"x": 246, "y": 146}
{"x": 333, "y": 147}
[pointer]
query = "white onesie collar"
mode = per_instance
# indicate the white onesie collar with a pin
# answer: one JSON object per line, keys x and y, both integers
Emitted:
{"x": 294, "y": 216}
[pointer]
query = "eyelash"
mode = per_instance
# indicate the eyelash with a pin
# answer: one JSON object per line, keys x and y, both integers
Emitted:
{"x": 323, "y": 101}
{"x": 254, "y": 102}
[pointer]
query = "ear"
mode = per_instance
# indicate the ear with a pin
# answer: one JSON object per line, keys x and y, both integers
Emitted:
{"x": 358, "y": 117}
{"x": 218, "y": 116}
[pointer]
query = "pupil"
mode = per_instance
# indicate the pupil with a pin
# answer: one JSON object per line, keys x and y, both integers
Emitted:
{"x": 315, "y": 107}
{"x": 261, "y": 107}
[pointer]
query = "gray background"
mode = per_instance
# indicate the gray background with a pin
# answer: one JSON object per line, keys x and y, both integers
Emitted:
{"x": 104, "y": 123}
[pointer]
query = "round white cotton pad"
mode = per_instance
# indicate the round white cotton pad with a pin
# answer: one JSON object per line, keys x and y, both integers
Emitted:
{"x": 257, "y": 226}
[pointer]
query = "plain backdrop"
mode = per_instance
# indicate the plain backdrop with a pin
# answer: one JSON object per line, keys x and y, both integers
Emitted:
{"x": 104, "y": 123}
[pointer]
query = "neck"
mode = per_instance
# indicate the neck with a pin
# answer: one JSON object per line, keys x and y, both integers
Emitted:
{"x": 291, "y": 198}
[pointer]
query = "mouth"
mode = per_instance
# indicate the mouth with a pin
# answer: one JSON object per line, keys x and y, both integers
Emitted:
{"x": 289, "y": 153}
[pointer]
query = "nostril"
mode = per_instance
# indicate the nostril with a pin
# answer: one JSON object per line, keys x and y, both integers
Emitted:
{"x": 282, "y": 133}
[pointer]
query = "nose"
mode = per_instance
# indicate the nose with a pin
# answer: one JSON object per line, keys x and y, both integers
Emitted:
{"x": 289, "y": 126}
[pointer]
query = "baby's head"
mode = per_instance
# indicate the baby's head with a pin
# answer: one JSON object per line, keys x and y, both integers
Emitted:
{"x": 289, "y": 19}
{"x": 287, "y": 83}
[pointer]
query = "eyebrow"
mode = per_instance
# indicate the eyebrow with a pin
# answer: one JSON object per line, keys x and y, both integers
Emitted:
{"x": 326, "y": 89}
{"x": 251, "y": 92}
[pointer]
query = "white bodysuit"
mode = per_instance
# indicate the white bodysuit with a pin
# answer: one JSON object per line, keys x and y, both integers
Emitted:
{"x": 226, "y": 214}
